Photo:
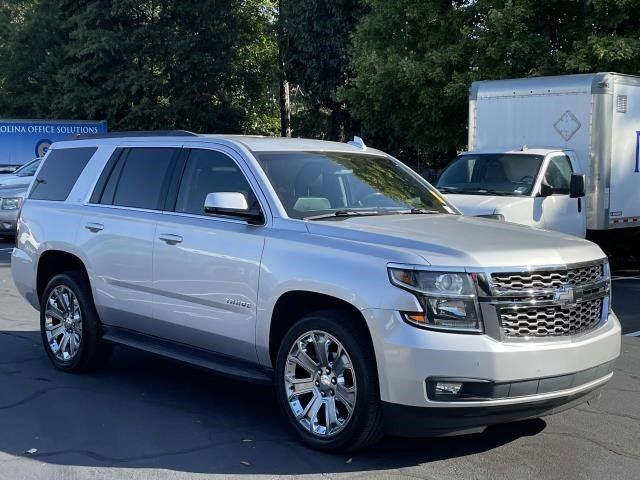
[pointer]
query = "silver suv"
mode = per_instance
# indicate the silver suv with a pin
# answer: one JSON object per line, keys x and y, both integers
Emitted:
{"x": 331, "y": 270}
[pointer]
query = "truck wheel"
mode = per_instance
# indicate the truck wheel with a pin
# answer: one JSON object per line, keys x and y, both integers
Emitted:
{"x": 69, "y": 324}
{"x": 327, "y": 382}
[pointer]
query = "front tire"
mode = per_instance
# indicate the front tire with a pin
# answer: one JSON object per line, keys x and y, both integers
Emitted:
{"x": 69, "y": 324}
{"x": 327, "y": 382}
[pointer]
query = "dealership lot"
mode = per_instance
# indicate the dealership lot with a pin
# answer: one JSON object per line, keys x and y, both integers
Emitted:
{"x": 147, "y": 417}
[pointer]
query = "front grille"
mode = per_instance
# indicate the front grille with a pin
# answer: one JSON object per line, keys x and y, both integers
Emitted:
{"x": 550, "y": 320}
{"x": 547, "y": 279}
{"x": 549, "y": 302}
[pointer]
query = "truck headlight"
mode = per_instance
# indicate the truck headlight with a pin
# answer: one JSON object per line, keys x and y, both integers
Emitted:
{"x": 449, "y": 299}
{"x": 10, "y": 203}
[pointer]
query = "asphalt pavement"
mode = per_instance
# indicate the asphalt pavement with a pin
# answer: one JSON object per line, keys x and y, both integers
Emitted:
{"x": 144, "y": 417}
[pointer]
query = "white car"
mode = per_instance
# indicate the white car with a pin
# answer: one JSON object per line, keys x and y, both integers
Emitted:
{"x": 22, "y": 175}
{"x": 331, "y": 270}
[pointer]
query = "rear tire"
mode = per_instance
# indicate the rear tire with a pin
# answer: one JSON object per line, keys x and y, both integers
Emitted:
{"x": 344, "y": 379}
{"x": 69, "y": 324}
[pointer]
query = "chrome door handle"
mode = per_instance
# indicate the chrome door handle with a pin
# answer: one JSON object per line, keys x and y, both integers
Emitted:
{"x": 94, "y": 227}
{"x": 170, "y": 239}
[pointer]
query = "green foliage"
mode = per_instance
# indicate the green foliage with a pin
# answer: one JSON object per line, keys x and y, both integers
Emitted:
{"x": 205, "y": 65}
{"x": 415, "y": 59}
{"x": 396, "y": 72}
{"x": 315, "y": 36}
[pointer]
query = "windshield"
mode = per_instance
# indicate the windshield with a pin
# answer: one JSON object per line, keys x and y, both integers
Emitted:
{"x": 28, "y": 170}
{"x": 495, "y": 174}
{"x": 311, "y": 184}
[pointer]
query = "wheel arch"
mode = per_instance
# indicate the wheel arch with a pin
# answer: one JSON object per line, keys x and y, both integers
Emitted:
{"x": 294, "y": 304}
{"x": 54, "y": 261}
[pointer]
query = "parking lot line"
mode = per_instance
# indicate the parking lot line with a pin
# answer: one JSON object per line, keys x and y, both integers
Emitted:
{"x": 6, "y": 249}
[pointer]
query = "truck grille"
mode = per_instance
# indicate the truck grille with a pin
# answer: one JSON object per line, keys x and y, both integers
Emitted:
{"x": 550, "y": 302}
{"x": 550, "y": 321}
{"x": 547, "y": 279}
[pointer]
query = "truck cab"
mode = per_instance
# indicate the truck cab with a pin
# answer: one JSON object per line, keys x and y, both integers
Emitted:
{"x": 539, "y": 187}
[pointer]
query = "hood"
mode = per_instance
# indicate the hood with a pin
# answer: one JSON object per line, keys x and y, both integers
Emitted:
{"x": 13, "y": 190}
{"x": 460, "y": 241}
{"x": 14, "y": 180}
{"x": 484, "y": 204}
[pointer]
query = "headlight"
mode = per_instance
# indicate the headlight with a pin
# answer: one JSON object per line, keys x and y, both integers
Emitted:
{"x": 10, "y": 203}
{"x": 449, "y": 299}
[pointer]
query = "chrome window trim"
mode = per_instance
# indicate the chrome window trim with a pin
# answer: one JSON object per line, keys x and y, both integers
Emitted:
{"x": 219, "y": 218}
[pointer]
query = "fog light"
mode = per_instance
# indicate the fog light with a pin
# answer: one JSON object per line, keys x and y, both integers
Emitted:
{"x": 448, "y": 388}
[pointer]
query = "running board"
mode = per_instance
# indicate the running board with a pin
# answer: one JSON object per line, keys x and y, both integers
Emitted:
{"x": 222, "y": 364}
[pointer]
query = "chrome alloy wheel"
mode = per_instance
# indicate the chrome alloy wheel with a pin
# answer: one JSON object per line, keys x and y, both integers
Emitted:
{"x": 63, "y": 323}
{"x": 320, "y": 383}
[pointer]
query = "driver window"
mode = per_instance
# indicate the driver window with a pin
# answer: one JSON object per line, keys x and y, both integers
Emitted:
{"x": 558, "y": 175}
{"x": 208, "y": 171}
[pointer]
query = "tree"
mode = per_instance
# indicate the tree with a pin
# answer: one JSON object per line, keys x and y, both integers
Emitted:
{"x": 30, "y": 53}
{"x": 610, "y": 41}
{"x": 205, "y": 65}
{"x": 414, "y": 60}
{"x": 315, "y": 36}
{"x": 411, "y": 64}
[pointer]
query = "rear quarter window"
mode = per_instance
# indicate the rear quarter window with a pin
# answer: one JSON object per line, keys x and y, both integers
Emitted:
{"x": 60, "y": 172}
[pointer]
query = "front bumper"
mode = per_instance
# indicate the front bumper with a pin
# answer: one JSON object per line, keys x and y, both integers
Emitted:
{"x": 421, "y": 422}
{"x": 8, "y": 222}
{"x": 408, "y": 356}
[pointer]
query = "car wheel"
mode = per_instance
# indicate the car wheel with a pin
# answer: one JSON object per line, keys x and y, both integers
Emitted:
{"x": 327, "y": 382}
{"x": 69, "y": 324}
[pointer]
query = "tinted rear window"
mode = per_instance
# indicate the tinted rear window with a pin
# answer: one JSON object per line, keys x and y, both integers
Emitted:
{"x": 144, "y": 178}
{"x": 60, "y": 172}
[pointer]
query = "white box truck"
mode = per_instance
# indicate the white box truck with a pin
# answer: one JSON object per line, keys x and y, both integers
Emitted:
{"x": 532, "y": 142}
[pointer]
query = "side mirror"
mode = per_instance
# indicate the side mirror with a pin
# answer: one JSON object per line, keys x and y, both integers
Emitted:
{"x": 576, "y": 187}
{"x": 231, "y": 204}
{"x": 546, "y": 190}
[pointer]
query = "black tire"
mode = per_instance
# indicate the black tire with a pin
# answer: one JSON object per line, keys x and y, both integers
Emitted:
{"x": 93, "y": 351}
{"x": 365, "y": 426}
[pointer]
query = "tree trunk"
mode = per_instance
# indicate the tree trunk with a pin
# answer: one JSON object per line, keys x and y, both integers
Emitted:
{"x": 285, "y": 108}
{"x": 285, "y": 99}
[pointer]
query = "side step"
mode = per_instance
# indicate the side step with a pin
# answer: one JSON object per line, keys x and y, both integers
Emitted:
{"x": 222, "y": 364}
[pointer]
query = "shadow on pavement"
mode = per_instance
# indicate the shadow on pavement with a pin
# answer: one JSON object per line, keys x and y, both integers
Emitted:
{"x": 145, "y": 411}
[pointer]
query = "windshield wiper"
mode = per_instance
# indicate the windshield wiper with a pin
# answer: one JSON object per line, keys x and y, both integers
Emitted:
{"x": 418, "y": 211}
{"x": 448, "y": 189}
{"x": 343, "y": 214}
{"x": 482, "y": 191}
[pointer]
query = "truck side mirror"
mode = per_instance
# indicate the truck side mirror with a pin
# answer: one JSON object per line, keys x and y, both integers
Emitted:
{"x": 546, "y": 190}
{"x": 576, "y": 187}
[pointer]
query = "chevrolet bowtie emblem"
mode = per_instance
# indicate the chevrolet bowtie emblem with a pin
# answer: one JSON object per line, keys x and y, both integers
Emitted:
{"x": 564, "y": 295}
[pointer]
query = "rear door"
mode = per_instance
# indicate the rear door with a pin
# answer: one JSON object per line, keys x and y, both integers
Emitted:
{"x": 206, "y": 268}
{"x": 118, "y": 229}
{"x": 560, "y": 212}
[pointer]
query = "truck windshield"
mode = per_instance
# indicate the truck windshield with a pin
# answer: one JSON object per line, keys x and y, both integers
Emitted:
{"x": 491, "y": 174}
{"x": 319, "y": 184}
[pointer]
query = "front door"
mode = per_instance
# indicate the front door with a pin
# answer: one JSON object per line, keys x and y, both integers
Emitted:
{"x": 560, "y": 212}
{"x": 206, "y": 268}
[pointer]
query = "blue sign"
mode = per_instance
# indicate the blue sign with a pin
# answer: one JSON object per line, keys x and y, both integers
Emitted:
{"x": 24, "y": 140}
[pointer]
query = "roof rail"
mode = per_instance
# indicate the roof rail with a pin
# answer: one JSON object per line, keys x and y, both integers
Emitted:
{"x": 150, "y": 133}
